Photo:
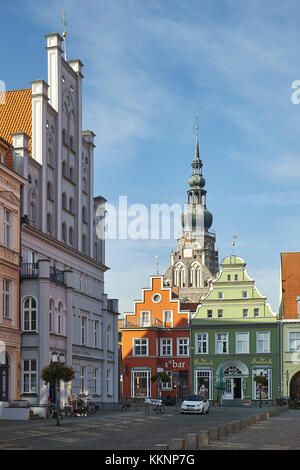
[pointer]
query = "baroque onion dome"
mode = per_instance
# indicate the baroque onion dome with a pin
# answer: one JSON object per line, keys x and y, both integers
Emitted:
{"x": 197, "y": 217}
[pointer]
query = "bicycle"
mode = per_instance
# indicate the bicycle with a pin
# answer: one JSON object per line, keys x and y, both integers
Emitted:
{"x": 81, "y": 406}
{"x": 155, "y": 406}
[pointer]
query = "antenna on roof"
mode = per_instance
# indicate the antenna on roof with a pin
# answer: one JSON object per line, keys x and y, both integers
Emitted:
{"x": 64, "y": 33}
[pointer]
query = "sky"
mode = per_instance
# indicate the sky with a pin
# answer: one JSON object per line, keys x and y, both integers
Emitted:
{"x": 151, "y": 67}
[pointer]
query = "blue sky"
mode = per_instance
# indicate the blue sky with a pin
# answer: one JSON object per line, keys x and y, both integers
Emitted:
{"x": 152, "y": 66}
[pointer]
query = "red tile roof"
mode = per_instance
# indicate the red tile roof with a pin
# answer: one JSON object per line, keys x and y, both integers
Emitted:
{"x": 15, "y": 114}
{"x": 290, "y": 275}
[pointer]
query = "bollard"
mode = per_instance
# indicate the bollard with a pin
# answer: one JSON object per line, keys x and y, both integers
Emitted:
{"x": 243, "y": 424}
{"x": 213, "y": 434}
{"x": 192, "y": 442}
{"x": 203, "y": 438}
{"x": 221, "y": 431}
{"x": 236, "y": 426}
{"x": 161, "y": 447}
{"x": 267, "y": 414}
{"x": 262, "y": 416}
{"x": 229, "y": 428}
{"x": 257, "y": 419}
{"x": 177, "y": 444}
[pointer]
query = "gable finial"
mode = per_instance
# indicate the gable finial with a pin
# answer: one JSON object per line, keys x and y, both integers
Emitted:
{"x": 64, "y": 33}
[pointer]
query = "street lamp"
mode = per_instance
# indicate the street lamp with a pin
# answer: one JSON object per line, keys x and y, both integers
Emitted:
{"x": 56, "y": 359}
{"x": 287, "y": 375}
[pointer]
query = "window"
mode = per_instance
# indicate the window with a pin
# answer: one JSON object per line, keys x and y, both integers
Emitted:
{"x": 84, "y": 243}
{"x": 256, "y": 312}
{"x": 65, "y": 169}
{"x": 82, "y": 380}
{"x": 182, "y": 346}
{"x": 220, "y": 313}
{"x": 145, "y": 319}
{"x": 245, "y": 313}
{"x": 108, "y": 382}
{"x": 6, "y": 228}
{"x": 166, "y": 347}
{"x": 49, "y": 223}
{"x": 220, "y": 295}
{"x": 263, "y": 391}
{"x": 263, "y": 342}
{"x": 29, "y": 376}
{"x": 156, "y": 298}
{"x": 64, "y": 232}
{"x": 140, "y": 384}
{"x": 209, "y": 313}
{"x": 51, "y": 310}
{"x": 294, "y": 341}
{"x": 167, "y": 385}
{"x": 71, "y": 204}
{"x": 242, "y": 343}
{"x": 201, "y": 340}
{"x": 71, "y": 236}
{"x": 7, "y": 298}
{"x": 84, "y": 215}
{"x": 236, "y": 277}
{"x": 96, "y": 333}
{"x": 203, "y": 383}
{"x": 64, "y": 200}
{"x": 245, "y": 294}
{"x": 222, "y": 343}
{"x": 228, "y": 277}
{"x": 168, "y": 317}
{"x": 108, "y": 338}
{"x": 83, "y": 330}
{"x": 140, "y": 347}
{"x": 95, "y": 381}
{"x": 29, "y": 314}
{"x": 50, "y": 191}
{"x": 60, "y": 319}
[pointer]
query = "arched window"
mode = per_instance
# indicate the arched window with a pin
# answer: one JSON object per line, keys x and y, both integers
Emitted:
{"x": 84, "y": 214}
{"x": 51, "y": 315}
{"x": 71, "y": 204}
{"x": 33, "y": 214}
{"x": 64, "y": 201}
{"x": 64, "y": 137}
{"x": 29, "y": 314}
{"x": 60, "y": 324}
{"x": 71, "y": 236}
{"x": 50, "y": 191}
{"x": 195, "y": 275}
{"x": 72, "y": 174}
{"x": 64, "y": 232}
{"x": 84, "y": 184}
{"x": 49, "y": 223}
{"x": 65, "y": 169}
{"x": 50, "y": 157}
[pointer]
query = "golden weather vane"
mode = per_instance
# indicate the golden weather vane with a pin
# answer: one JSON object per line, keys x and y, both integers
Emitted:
{"x": 64, "y": 33}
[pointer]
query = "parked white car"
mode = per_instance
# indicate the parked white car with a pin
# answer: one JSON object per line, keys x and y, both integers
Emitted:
{"x": 195, "y": 404}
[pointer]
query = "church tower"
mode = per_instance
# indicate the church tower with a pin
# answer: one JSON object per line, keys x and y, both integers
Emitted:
{"x": 195, "y": 262}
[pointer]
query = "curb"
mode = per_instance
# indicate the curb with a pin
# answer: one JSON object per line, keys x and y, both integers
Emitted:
{"x": 204, "y": 438}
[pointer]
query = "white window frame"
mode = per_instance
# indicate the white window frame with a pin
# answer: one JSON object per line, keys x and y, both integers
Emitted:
{"x": 245, "y": 296}
{"x": 297, "y": 340}
{"x": 30, "y": 309}
{"x": 217, "y": 341}
{"x": 145, "y": 323}
{"x": 7, "y": 298}
{"x": 164, "y": 317}
{"x": 83, "y": 387}
{"x": 96, "y": 333}
{"x": 201, "y": 342}
{"x": 143, "y": 342}
{"x": 167, "y": 385}
{"x": 186, "y": 345}
{"x": 168, "y": 346}
{"x": 6, "y": 227}
{"x": 83, "y": 330}
{"x": 220, "y": 295}
{"x": 246, "y": 333}
{"x": 147, "y": 375}
{"x": 109, "y": 382}
{"x": 269, "y": 376}
{"x": 245, "y": 315}
{"x": 95, "y": 381}
{"x": 30, "y": 373}
{"x": 268, "y": 340}
{"x": 208, "y": 373}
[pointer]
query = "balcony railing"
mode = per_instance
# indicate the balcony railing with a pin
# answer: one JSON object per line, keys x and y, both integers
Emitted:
{"x": 29, "y": 270}
{"x": 139, "y": 323}
{"x": 57, "y": 276}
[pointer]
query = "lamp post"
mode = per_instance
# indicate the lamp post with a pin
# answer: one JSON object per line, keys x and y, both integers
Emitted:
{"x": 287, "y": 375}
{"x": 55, "y": 359}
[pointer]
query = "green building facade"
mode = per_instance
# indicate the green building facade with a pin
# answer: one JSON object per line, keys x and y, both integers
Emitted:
{"x": 235, "y": 331}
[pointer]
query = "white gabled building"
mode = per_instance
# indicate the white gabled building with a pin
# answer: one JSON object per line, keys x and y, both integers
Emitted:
{"x": 63, "y": 304}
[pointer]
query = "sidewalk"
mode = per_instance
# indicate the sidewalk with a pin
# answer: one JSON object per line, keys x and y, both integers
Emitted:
{"x": 281, "y": 432}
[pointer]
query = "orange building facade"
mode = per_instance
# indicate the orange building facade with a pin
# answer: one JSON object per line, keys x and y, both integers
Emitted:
{"x": 10, "y": 334}
{"x": 155, "y": 338}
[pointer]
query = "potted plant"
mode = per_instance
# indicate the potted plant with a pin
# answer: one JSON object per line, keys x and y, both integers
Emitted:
{"x": 57, "y": 371}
